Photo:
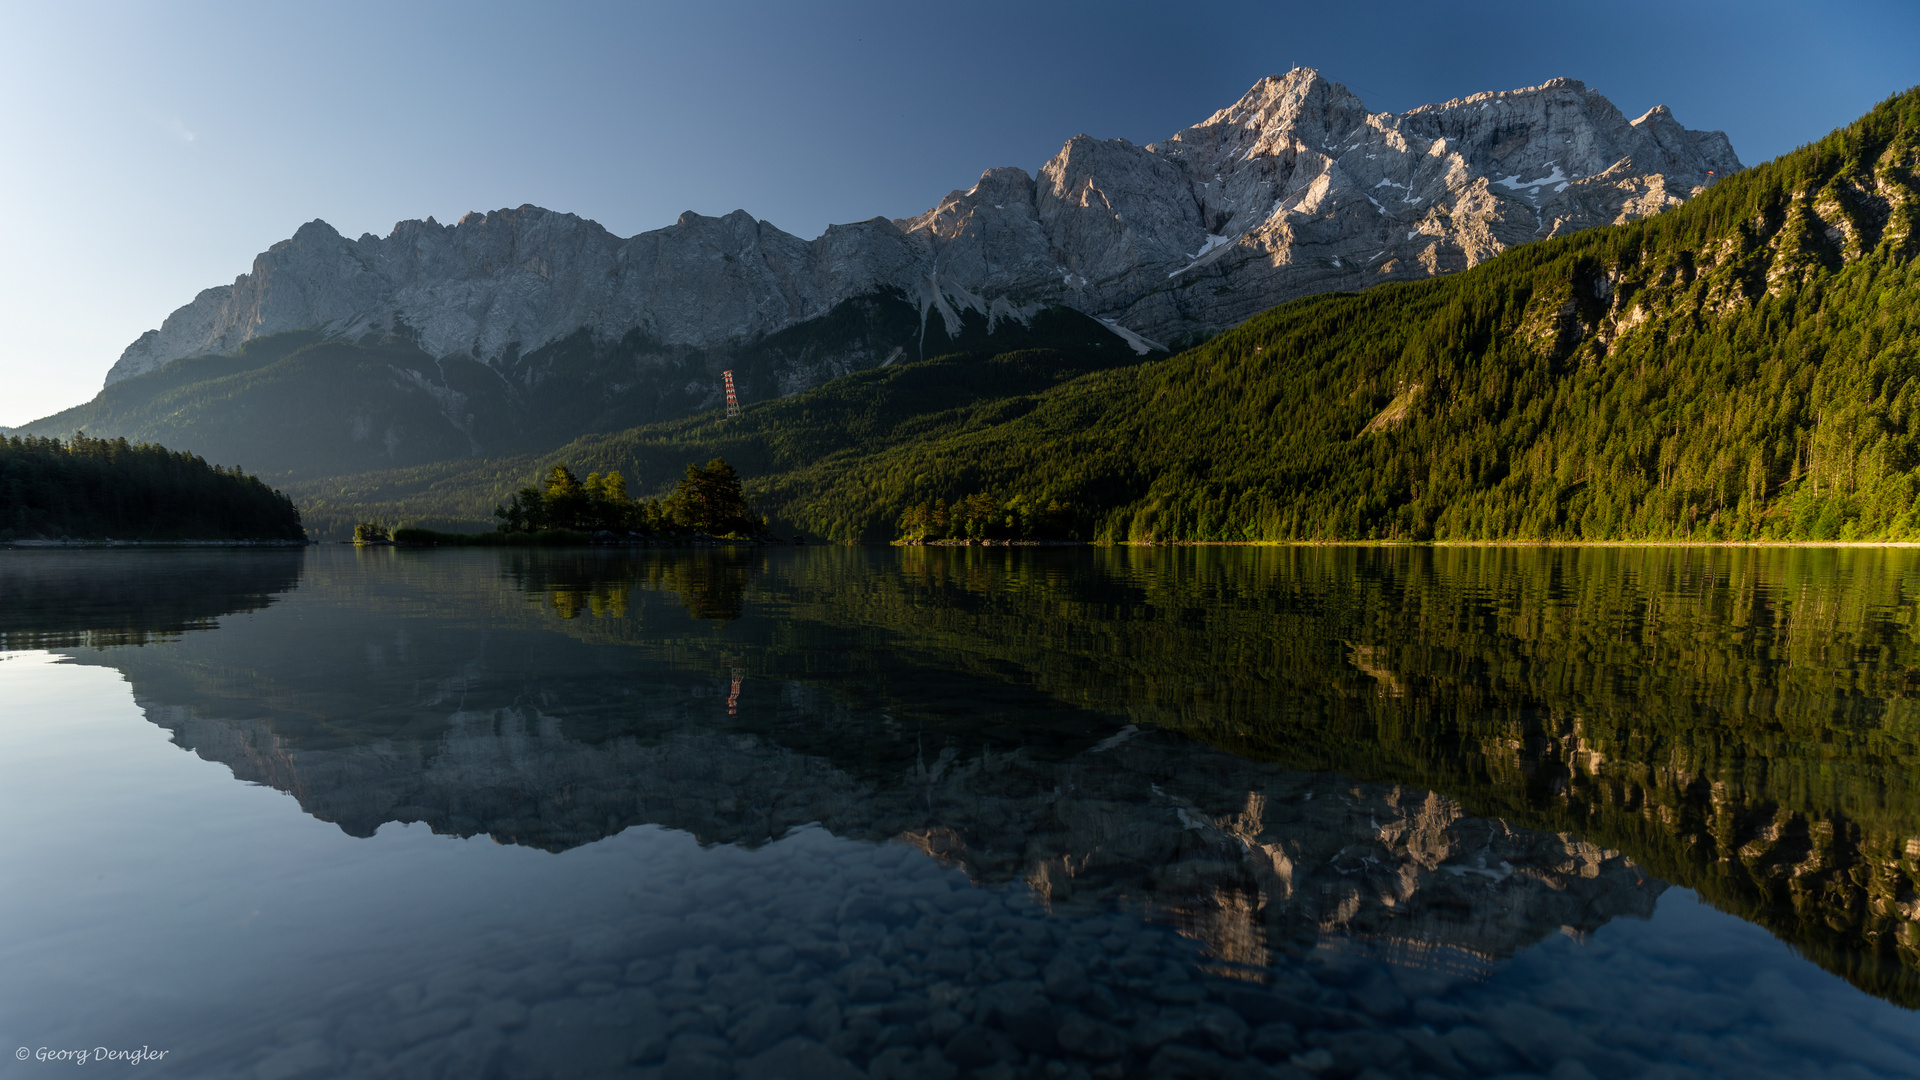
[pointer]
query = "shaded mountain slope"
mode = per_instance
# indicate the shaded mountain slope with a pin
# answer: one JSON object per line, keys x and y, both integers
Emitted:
{"x": 841, "y": 425}
{"x": 296, "y": 405}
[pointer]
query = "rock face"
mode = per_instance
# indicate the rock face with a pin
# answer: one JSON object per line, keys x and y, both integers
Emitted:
{"x": 1295, "y": 189}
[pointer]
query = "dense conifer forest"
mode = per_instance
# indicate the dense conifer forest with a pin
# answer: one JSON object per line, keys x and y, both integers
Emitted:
{"x": 93, "y": 489}
{"x": 1743, "y": 367}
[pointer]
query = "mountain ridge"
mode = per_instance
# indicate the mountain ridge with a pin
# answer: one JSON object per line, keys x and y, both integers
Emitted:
{"x": 1144, "y": 238}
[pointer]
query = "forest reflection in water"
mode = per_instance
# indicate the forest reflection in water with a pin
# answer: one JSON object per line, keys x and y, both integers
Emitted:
{"x": 89, "y": 597}
{"x": 1383, "y": 760}
{"x": 1741, "y": 720}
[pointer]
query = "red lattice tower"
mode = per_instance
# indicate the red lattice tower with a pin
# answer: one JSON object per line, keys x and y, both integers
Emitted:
{"x": 733, "y": 403}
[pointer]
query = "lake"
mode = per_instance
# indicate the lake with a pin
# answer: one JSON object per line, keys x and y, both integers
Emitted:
{"x": 943, "y": 812}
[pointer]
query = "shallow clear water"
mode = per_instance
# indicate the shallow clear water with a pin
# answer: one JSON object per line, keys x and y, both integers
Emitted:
{"x": 931, "y": 813}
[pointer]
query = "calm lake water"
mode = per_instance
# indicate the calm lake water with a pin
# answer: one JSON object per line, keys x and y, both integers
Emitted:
{"x": 834, "y": 812}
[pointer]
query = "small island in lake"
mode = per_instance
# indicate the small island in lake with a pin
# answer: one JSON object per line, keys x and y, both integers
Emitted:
{"x": 83, "y": 489}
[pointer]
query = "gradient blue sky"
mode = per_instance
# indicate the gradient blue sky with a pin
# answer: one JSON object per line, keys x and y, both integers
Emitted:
{"x": 151, "y": 150}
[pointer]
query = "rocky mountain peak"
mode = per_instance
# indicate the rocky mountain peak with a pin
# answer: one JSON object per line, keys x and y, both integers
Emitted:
{"x": 314, "y": 232}
{"x": 1278, "y": 109}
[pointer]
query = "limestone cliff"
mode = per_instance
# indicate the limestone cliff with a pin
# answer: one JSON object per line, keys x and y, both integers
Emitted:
{"x": 1297, "y": 188}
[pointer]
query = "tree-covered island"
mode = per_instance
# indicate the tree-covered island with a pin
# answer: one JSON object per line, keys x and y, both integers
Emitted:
{"x": 708, "y": 504}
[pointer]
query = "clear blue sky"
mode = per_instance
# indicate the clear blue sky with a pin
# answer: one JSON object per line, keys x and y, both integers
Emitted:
{"x": 154, "y": 149}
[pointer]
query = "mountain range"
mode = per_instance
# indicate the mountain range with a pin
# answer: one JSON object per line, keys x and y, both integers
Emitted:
{"x": 516, "y": 330}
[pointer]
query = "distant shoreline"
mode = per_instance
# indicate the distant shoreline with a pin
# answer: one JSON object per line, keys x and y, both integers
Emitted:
{"x": 1521, "y": 543}
{"x": 712, "y": 542}
{"x": 1419, "y": 543}
{"x": 151, "y": 543}
{"x": 1402, "y": 544}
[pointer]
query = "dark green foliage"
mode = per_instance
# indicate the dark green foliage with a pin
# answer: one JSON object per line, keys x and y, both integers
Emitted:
{"x": 981, "y": 517}
{"x": 565, "y": 503}
{"x": 86, "y": 488}
{"x": 708, "y": 501}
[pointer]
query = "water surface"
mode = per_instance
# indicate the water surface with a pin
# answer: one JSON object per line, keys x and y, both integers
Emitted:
{"x": 938, "y": 812}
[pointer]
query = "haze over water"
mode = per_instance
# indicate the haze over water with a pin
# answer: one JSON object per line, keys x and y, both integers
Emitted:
{"x": 937, "y": 812}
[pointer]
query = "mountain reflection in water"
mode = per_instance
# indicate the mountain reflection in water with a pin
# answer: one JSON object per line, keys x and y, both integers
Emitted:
{"x": 1364, "y": 761}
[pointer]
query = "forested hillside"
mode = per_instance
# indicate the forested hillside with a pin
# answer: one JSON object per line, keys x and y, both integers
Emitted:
{"x": 90, "y": 489}
{"x": 296, "y": 407}
{"x": 1739, "y": 368}
{"x": 791, "y": 441}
